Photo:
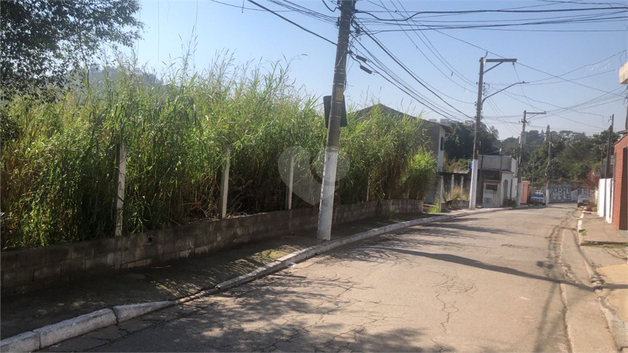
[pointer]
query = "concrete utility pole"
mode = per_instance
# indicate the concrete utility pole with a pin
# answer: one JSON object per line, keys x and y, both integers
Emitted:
{"x": 520, "y": 164}
{"x": 326, "y": 211}
{"x": 478, "y": 113}
{"x": 609, "y": 152}
{"x": 549, "y": 157}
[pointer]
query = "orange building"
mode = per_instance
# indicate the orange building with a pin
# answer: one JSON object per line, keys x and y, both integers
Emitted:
{"x": 620, "y": 185}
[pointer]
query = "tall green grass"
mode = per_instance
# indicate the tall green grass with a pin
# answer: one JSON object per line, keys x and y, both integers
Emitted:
{"x": 58, "y": 157}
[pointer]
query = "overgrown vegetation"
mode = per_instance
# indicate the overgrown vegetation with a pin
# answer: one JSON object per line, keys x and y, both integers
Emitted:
{"x": 459, "y": 194}
{"x": 58, "y": 156}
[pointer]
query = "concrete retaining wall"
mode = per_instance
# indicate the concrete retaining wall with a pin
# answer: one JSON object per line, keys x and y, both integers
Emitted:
{"x": 27, "y": 270}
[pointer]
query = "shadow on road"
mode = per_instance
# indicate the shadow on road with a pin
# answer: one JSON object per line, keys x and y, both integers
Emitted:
{"x": 278, "y": 313}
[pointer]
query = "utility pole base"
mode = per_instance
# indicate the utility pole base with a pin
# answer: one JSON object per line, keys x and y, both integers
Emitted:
{"x": 326, "y": 211}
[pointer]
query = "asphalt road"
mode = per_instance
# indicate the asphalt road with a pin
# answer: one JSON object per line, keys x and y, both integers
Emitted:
{"x": 493, "y": 282}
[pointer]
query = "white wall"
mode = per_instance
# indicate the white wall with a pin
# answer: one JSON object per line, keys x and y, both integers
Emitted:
{"x": 605, "y": 199}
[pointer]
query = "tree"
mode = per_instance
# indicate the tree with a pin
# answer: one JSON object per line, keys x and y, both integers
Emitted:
{"x": 42, "y": 41}
{"x": 510, "y": 146}
{"x": 459, "y": 144}
{"x": 573, "y": 157}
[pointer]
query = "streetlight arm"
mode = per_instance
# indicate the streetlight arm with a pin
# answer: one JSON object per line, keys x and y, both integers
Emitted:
{"x": 498, "y": 61}
{"x": 503, "y": 89}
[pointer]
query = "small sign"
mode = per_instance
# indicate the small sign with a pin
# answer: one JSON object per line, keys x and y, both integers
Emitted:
{"x": 343, "y": 114}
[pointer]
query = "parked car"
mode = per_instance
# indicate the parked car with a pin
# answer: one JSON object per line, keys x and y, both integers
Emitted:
{"x": 585, "y": 199}
{"x": 538, "y": 198}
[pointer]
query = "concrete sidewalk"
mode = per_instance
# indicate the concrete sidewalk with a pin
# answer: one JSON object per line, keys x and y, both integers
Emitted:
{"x": 50, "y": 315}
{"x": 605, "y": 252}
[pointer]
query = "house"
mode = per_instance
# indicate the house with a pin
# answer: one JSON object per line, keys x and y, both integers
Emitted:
{"x": 496, "y": 177}
{"x": 620, "y": 185}
{"x": 435, "y": 131}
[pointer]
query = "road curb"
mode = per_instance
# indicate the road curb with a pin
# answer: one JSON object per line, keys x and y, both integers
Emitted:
{"x": 202, "y": 293}
{"x": 129, "y": 311}
{"x": 24, "y": 342}
{"x": 61, "y": 331}
{"x": 615, "y": 323}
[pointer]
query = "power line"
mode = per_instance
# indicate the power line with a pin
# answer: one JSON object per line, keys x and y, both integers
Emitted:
{"x": 291, "y": 22}
{"x": 382, "y": 70}
{"x": 304, "y": 10}
{"x": 424, "y": 27}
{"x": 327, "y": 6}
{"x": 509, "y": 125}
{"x": 491, "y": 11}
{"x": 431, "y": 62}
{"x": 581, "y": 67}
{"x": 413, "y": 75}
{"x": 527, "y": 66}
{"x": 520, "y": 86}
{"x": 239, "y": 6}
{"x": 565, "y": 18}
{"x": 557, "y": 112}
{"x": 437, "y": 53}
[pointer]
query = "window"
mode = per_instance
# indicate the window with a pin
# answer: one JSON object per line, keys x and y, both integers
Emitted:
{"x": 442, "y": 143}
{"x": 492, "y": 187}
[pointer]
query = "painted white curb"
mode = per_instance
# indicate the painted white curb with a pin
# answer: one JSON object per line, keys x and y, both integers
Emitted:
{"x": 24, "y": 342}
{"x": 61, "y": 331}
{"x": 126, "y": 312}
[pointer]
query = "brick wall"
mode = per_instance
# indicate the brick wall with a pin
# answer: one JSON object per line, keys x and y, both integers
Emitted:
{"x": 30, "y": 269}
{"x": 620, "y": 186}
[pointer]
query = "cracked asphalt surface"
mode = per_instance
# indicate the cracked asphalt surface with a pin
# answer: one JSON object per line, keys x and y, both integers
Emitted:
{"x": 484, "y": 283}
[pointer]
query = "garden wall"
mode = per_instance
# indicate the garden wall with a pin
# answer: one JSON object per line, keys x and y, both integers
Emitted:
{"x": 30, "y": 269}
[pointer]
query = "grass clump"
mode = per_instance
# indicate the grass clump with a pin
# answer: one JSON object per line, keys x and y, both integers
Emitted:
{"x": 59, "y": 156}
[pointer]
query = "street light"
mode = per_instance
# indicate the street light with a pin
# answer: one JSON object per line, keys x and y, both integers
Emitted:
{"x": 503, "y": 89}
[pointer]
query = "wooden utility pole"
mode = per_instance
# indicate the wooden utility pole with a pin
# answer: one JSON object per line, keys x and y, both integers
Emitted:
{"x": 326, "y": 211}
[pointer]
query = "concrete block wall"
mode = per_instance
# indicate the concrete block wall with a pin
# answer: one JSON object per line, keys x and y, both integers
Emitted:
{"x": 31, "y": 269}
{"x": 403, "y": 206}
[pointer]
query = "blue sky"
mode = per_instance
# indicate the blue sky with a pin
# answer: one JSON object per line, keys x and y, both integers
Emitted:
{"x": 572, "y": 69}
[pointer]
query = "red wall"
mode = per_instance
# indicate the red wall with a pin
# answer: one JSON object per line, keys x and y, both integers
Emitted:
{"x": 620, "y": 186}
{"x": 525, "y": 187}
